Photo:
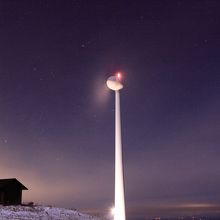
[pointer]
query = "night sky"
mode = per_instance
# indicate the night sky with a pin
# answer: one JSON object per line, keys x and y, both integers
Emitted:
{"x": 57, "y": 115}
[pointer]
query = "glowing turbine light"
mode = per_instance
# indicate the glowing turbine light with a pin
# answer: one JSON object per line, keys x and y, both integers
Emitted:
{"x": 119, "y": 75}
{"x": 113, "y": 211}
{"x": 114, "y": 83}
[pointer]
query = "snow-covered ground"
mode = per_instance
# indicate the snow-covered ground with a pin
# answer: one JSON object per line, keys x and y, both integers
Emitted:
{"x": 41, "y": 213}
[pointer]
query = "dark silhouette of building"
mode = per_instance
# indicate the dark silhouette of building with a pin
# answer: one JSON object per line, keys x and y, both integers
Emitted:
{"x": 11, "y": 191}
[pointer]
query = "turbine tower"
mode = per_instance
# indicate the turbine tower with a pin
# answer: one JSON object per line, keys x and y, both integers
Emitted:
{"x": 114, "y": 83}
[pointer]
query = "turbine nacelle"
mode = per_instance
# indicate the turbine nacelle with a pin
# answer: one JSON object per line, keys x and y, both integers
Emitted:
{"x": 114, "y": 82}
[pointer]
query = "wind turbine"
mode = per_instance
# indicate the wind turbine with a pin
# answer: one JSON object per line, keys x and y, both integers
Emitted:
{"x": 114, "y": 83}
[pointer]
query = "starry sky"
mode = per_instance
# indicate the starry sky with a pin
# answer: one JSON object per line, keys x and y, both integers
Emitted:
{"x": 57, "y": 116}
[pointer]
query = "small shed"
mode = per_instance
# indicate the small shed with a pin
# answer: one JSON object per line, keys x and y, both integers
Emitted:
{"x": 11, "y": 191}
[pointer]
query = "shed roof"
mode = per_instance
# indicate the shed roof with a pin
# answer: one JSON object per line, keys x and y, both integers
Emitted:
{"x": 6, "y": 182}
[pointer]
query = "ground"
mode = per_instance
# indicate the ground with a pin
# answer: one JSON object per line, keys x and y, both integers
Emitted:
{"x": 41, "y": 213}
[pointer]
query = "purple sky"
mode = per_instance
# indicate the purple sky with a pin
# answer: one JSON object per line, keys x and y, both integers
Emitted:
{"x": 57, "y": 116}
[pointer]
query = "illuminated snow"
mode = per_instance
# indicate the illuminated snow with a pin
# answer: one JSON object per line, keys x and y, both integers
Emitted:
{"x": 41, "y": 213}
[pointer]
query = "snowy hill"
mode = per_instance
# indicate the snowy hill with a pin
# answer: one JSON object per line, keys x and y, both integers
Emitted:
{"x": 41, "y": 213}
